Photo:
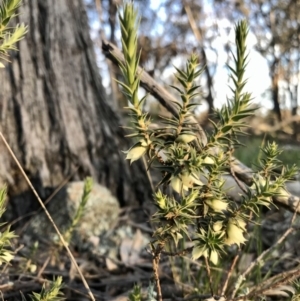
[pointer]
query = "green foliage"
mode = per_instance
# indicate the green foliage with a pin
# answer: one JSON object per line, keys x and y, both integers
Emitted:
{"x": 136, "y": 294}
{"x": 53, "y": 293}
{"x": 88, "y": 185}
{"x": 140, "y": 121}
{"x": 193, "y": 170}
{"x": 199, "y": 207}
{"x": 238, "y": 106}
{"x": 176, "y": 216}
{"x": 9, "y": 36}
{"x": 6, "y": 255}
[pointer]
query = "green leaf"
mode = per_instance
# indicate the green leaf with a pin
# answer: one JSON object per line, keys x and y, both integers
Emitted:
{"x": 191, "y": 90}
{"x": 181, "y": 73}
{"x": 182, "y": 81}
{"x": 226, "y": 129}
{"x": 176, "y": 88}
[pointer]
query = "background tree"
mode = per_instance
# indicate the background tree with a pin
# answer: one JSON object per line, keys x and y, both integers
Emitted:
{"x": 55, "y": 112}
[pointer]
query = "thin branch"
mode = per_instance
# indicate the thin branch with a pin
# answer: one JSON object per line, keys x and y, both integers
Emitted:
{"x": 147, "y": 82}
{"x": 179, "y": 253}
{"x": 156, "y": 252}
{"x": 233, "y": 264}
{"x": 148, "y": 174}
{"x": 209, "y": 275}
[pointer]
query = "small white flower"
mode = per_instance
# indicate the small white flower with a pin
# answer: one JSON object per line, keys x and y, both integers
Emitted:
{"x": 235, "y": 229}
{"x": 217, "y": 205}
{"x": 214, "y": 257}
{"x": 143, "y": 142}
{"x": 283, "y": 193}
{"x": 6, "y": 257}
{"x": 198, "y": 252}
{"x": 162, "y": 154}
{"x": 184, "y": 181}
{"x": 179, "y": 182}
{"x": 176, "y": 184}
{"x": 189, "y": 180}
{"x": 217, "y": 227}
{"x": 185, "y": 138}
{"x": 135, "y": 153}
{"x": 208, "y": 160}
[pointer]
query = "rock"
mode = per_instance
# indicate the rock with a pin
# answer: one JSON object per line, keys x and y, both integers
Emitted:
{"x": 100, "y": 214}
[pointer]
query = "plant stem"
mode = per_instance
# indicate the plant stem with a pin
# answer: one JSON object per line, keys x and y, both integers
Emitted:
{"x": 209, "y": 275}
{"x": 156, "y": 252}
{"x": 233, "y": 264}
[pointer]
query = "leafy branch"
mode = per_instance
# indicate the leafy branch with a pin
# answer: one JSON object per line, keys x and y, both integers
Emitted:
{"x": 198, "y": 208}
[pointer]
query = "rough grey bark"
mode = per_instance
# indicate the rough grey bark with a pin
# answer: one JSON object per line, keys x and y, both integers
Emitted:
{"x": 54, "y": 110}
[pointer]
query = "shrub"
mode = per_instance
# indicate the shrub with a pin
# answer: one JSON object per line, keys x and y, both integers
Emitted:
{"x": 198, "y": 209}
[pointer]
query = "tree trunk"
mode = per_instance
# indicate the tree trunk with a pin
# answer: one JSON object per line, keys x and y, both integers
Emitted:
{"x": 54, "y": 110}
{"x": 275, "y": 88}
{"x": 209, "y": 98}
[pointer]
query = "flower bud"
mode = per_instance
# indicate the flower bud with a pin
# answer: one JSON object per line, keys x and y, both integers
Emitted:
{"x": 217, "y": 205}
{"x": 161, "y": 201}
